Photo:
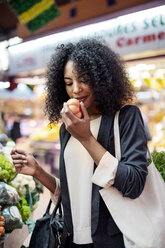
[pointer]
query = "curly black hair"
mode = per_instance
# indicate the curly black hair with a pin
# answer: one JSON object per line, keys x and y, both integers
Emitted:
{"x": 101, "y": 67}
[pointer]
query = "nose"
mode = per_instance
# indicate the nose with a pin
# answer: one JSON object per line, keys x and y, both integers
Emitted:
{"x": 76, "y": 87}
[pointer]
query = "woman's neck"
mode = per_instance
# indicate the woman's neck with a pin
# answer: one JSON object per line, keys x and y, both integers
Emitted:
{"x": 94, "y": 116}
{"x": 94, "y": 113}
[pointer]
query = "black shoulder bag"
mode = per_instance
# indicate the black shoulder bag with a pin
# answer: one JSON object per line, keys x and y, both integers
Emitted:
{"x": 49, "y": 230}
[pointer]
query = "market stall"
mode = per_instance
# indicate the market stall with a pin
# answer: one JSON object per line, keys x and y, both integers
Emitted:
{"x": 19, "y": 196}
{"x": 148, "y": 78}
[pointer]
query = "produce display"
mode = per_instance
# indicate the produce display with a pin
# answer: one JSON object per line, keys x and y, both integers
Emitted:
{"x": 19, "y": 194}
{"x": 148, "y": 80}
{"x": 46, "y": 133}
{"x": 7, "y": 170}
{"x": 24, "y": 209}
{"x": 156, "y": 120}
{"x": 159, "y": 161}
{"x": 20, "y": 181}
{"x": 2, "y": 224}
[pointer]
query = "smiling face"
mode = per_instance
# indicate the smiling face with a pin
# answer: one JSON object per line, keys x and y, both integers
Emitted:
{"x": 77, "y": 87}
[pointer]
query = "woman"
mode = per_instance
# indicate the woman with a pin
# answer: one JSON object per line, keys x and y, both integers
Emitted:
{"x": 92, "y": 73}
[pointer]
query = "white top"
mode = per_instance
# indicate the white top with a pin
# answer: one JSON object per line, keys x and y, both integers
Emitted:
{"x": 79, "y": 170}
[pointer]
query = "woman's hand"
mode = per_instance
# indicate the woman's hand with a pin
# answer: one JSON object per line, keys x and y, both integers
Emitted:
{"x": 25, "y": 163}
{"x": 78, "y": 128}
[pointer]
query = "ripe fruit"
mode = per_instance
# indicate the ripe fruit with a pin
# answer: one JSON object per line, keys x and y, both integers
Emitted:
{"x": 74, "y": 106}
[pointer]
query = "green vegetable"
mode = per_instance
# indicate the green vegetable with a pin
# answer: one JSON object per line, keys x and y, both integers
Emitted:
{"x": 25, "y": 212}
{"x": 7, "y": 169}
{"x": 24, "y": 209}
{"x": 159, "y": 161}
{"x": 39, "y": 185}
{"x": 32, "y": 197}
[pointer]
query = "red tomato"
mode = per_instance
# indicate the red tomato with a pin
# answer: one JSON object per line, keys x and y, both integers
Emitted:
{"x": 74, "y": 106}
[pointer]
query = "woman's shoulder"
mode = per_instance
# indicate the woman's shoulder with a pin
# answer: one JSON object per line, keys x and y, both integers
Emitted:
{"x": 130, "y": 108}
{"x": 130, "y": 113}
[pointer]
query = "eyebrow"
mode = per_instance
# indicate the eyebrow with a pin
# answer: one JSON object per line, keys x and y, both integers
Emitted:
{"x": 67, "y": 78}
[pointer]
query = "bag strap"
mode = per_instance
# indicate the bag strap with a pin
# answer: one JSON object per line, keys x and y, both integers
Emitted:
{"x": 48, "y": 207}
{"x": 117, "y": 136}
{"x": 57, "y": 207}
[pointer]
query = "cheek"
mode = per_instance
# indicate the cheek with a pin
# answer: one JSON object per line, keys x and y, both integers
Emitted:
{"x": 90, "y": 102}
{"x": 91, "y": 98}
{"x": 90, "y": 91}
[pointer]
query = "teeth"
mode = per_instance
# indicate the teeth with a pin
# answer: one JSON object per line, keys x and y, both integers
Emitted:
{"x": 81, "y": 99}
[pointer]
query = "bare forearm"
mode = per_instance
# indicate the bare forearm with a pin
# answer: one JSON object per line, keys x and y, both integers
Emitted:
{"x": 94, "y": 148}
{"x": 46, "y": 179}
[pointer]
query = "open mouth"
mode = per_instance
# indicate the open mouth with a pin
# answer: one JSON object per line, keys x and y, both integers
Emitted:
{"x": 82, "y": 99}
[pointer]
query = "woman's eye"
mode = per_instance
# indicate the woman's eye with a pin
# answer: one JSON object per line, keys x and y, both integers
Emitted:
{"x": 84, "y": 80}
{"x": 68, "y": 84}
